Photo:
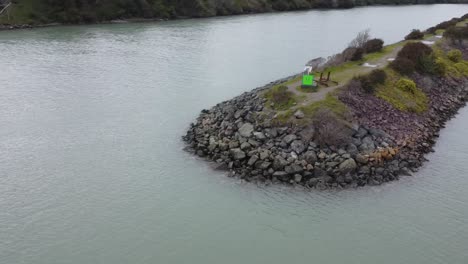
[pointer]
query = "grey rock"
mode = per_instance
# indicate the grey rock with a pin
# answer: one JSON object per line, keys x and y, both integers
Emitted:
{"x": 237, "y": 154}
{"x": 362, "y": 159}
{"x": 252, "y": 160}
{"x": 312, "y": 182}
{"x": 289, "y": 138}
{"x": 367, "y": 145}
{"x": 233, "y": 144}
{"x": 347, "y": 166}
{"x": 293, "y": 169}
{"x": 299, "y": 114}
{"x": 246, "y": 130}
{"x": 298, "y": 146}
{"x": 264, "y": 165}
{"x": 279, "y": 163}
{"x": 310, "y": 157}
{"x": 245, "y": 146}
{"x": 264, "y": 154}
{"x": 297, "y": 178}
{"x": 259, "y": 135}
{"x": 281, "y": 175}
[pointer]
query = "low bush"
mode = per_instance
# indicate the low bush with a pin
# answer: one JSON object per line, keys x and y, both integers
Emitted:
{"x": 281, "y": 97}
{"x": 406, "y": 85}
{"x": 377, "y": 76}
{"x": 369, "y": 82}
{"x": 373, "y": 45}
{"x": 357, "y": 55}
{"x": 440, "y": 67}
{"x": 366, "y": 84}
{"x": 455, "y": 33}
{"x": 403, "y": 66}
{"x": 454, "y": 55}
{"x": 414, "y": 34}
{"x": 462, "y": 68}
{"x": 414, "y": 51}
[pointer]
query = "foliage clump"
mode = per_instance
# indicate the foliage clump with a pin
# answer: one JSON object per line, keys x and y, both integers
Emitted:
{"x": 370, "y": 82}
{"x": 403, "y": 66}
{"x": 280, "y": 97}
{"x": 415, "y": 34}
{"x": 456, "y": 34}
{"x": 373, "y": 45}
{"x": 404, "y": 96}
{"x": 406, "y": 85}
{"x": 454, "y": 55}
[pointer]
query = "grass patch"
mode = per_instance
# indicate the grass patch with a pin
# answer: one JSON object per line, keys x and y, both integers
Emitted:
{"x": 402, "y": 94}
{"x": 307, "y": 90}
{"x": 330, "y": 102}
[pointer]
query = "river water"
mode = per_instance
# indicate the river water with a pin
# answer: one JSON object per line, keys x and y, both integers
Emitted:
{"x": 92, "y": 168}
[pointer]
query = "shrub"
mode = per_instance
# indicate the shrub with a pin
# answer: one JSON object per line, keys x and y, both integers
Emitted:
{"x": 373, "y": 45}
{"x": 455, "y": 55}
{"x": 440, "y": 67}
{"x": 366, "y": 84}
{"x": 414, "y": 51}
{"x": 456, "y": 33}
{"x": 415, "y": 34}
{"x": 426, "y": 64}
{"x": 369, "y": 82}
{"x": 377, "y": 76}
{"x": 281, "y": 97}
{"x": 403, "y": 66}
{"x": 357, "y": 55}
{"x": 406, "y": 85}
{"x": 461, "y": 68}
{"x": 329, "y": 130}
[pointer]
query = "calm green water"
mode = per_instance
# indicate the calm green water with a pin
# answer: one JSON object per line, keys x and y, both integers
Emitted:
{"x": 92, "y": 168}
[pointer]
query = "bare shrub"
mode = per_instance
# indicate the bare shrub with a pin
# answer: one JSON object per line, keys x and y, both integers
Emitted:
{"x": 361, "y": 39}
{"x": 329, "y": 130}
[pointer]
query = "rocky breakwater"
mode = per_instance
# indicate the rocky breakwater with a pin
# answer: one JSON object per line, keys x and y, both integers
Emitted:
{"x": 236, "y": 136}
{"x": 357, "y": 136}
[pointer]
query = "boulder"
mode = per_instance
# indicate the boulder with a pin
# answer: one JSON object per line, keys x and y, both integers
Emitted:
{"x": 289, "y": 138}
{"x": 259, "y": 135}
{"x": 298, "y": 146}
{"x": 237, "y": 154}
{"x": 299, "y": 114}
{"x": 281, "y": 175}
{"x": 293, "y": 169}
{"x": 252, "y": 160}
{"x": 310, "y": 157}
{"x": 347, "y": 166}
{"x": 246, "y": 130}
{"x": 297, "y": 178}
{"x": 367, "y": 145}
{"x": 362, "y": 159}
{"x": 279, "y": 163}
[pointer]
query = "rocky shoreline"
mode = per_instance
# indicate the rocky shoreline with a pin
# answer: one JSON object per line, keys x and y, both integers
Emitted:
{"x": 382, "y": 146}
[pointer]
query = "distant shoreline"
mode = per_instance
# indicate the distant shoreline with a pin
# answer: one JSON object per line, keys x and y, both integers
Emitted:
{"x": 18, "y": 26}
